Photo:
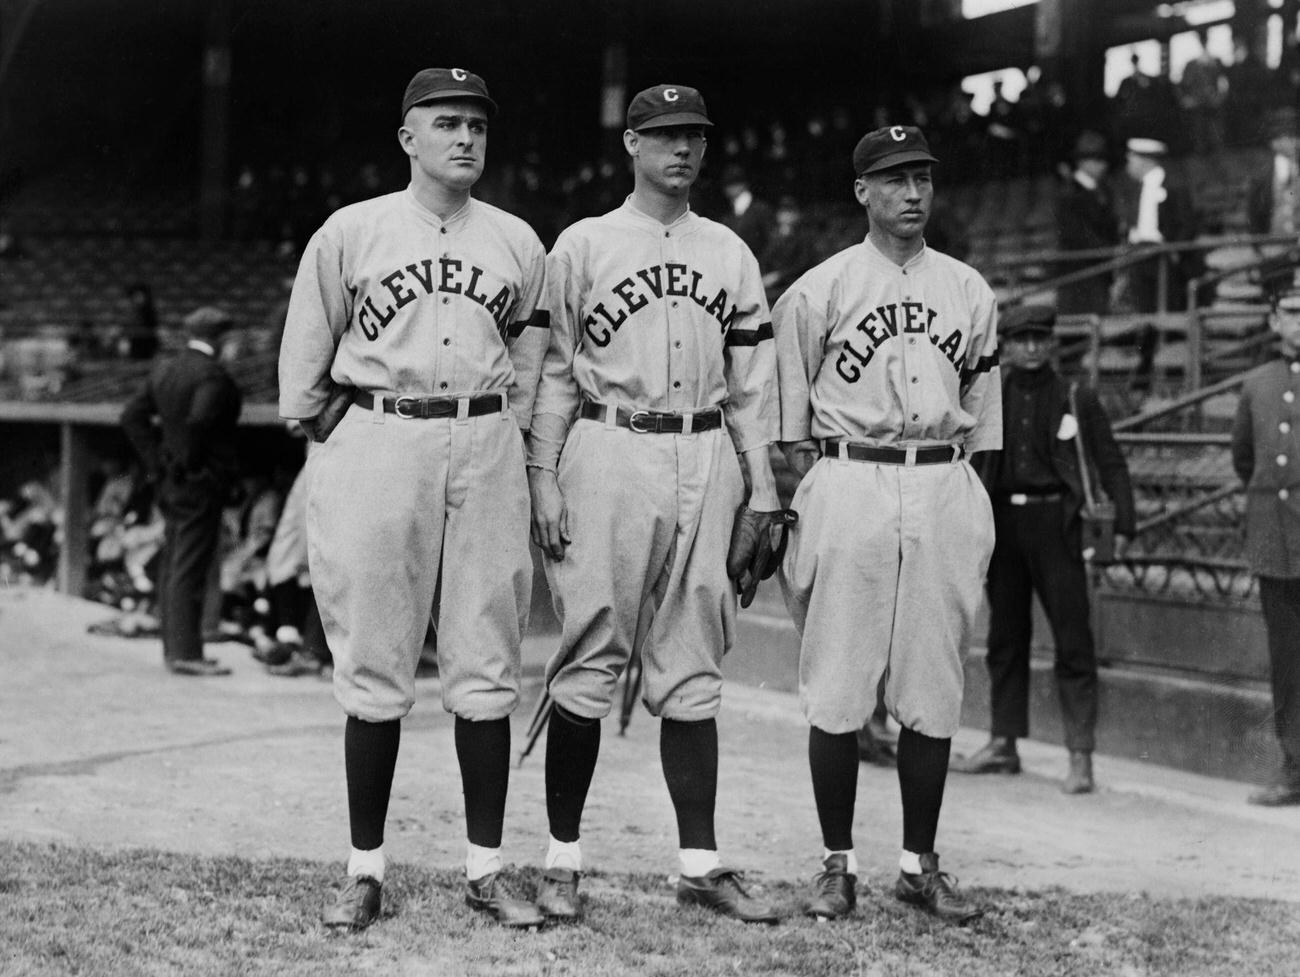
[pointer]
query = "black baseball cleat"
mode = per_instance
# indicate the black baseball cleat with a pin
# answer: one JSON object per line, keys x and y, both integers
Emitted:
{"x": 722, "y": 892}
{"x": 836, "y": 889}
{"x": 356, "y": 906}
{"x": 935, "y": 891}
{"x": 557, "y": 895}
{"x": 488, "y": 895}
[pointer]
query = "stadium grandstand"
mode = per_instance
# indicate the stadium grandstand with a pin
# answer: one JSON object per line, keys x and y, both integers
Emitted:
{"x": 158, "y": 156}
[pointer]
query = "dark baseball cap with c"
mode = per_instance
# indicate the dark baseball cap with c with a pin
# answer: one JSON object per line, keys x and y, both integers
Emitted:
{"x": 890, "y": 146}
{"x": 667, "y": 105}
{"x": 440, "y": 84}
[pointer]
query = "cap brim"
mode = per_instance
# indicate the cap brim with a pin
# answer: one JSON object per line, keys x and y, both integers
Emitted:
{"x": 677, "y": 119}
{"x": 899, "y": 159}
{"x": 1037, "y": 327}
{"x": 452, "y": 95}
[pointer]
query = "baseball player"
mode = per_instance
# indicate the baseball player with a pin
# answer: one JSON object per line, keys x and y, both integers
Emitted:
{"x": 888, "y": 379}
{"x": 660, "y": 337}
{"x": 409, "y": 325}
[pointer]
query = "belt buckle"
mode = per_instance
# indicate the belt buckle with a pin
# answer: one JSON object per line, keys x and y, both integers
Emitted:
{"x": 635, "y": 419}
{"x": 1018, "y": 498}
{"x": 400, "y": 411}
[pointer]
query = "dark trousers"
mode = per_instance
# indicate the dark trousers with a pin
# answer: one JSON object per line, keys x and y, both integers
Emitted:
{"x": 1280, "y": 599}
{"x": 192, "y": 522}
{"x": 1032, "y": 555}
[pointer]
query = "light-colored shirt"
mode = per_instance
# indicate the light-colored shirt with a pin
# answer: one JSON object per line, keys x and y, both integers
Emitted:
{"x": 395, "y": 301}
{"x": 666, "y": 318}
{"x": 878, "y": 353}
{"x": 1151, "y": 196}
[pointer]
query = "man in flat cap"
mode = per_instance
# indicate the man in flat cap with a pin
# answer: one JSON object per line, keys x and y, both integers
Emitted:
{"x": 1037, "y": 487}
{"x": 410, "y": 355}
{"x": 1086, "y": 220}
{"x": 888, "y": 379}
{"x": 658, "y": 383}
{"x": 182, "y": 425}
{"x": 1266, "y": 457}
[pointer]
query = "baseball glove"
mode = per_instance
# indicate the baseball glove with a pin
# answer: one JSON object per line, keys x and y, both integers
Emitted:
{"x": 753, "y": 556}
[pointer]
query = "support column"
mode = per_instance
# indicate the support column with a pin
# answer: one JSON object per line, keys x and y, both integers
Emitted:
{"x": 74, "y": 480}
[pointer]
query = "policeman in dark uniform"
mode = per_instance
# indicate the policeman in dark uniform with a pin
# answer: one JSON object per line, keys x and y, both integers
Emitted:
{"x": 1266, "y": 456}
{"x": 182, "y": 424}
{"x": 1037, "y": 493}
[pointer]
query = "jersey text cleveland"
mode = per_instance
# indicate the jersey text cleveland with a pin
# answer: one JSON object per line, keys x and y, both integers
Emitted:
{"x": 667, "y": 279}
{"x": 452, "y": 277}
{"x": 883, "y": 324}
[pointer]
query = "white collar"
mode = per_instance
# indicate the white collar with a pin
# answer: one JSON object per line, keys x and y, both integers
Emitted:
{"x": 201, "y": 346}
{"x": 1085, "y": 180}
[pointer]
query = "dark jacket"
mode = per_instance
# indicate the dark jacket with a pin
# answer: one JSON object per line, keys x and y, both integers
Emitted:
{"x": 1266, "y": 456}
{"x": 1085, "y": 220}
{"x": 182, "y": 424}
{"x": 1106, "y": 461}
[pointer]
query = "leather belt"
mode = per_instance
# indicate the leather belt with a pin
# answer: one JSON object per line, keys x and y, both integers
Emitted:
{"x": 427, "y": 407}
{"x": 1031, "y": 498}
{"x": 653, "y": 421}
{"x": 940, "y": 455}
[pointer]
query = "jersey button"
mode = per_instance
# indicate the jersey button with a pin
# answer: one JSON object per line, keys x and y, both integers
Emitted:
{"x": 916, "y": 417}
{"x": 677, "y": 385}
{"x": 442, "y": 230}
{"x": 445, "y": 300}
{"x": 443, "y": 385}
{"x": 446, "y": 342}
{"x": 674, "y": 303}
{"x": 912, "y": 341}
{"x": 914, "y": 380}
{"x": 667, "y": 234}
{"x": 678, "y": 344}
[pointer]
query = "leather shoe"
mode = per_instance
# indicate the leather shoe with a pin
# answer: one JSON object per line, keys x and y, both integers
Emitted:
{"x": 488, "y": 895}
{"x": 836, "y": 889}
{"x": 356, "y": 906}
{"x": 1079, "y": 779}
{"x": 298, "y": 664}
{"x": 722, "y": 892}
{"x": 197, "y": 666}
{"x": 1280, "y": 794}
{"x": 557, "y": 896}
{"x": 935, "y": 891}
{"x": 997, "y": 756}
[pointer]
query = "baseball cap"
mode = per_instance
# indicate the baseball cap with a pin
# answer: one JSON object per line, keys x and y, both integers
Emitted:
{"x": 207, "y": 322}
{"x": 1147, "y": 147}
{"x": 890, "y": 146}
{"x": 439, "y": 84}
{"x": 1021, "y": 319}
{"x": 1090, "y": 145}
{"x": 667, "y": 105}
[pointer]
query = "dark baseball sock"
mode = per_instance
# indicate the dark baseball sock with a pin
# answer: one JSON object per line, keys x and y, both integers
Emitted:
{"x": 922, "y": 773}
{"x": 369, "y": 757}
{"x": 572, "y": 746}
{"x": 483, "y": 750}
{"x": 689, "y": 754}
{"x": 833, "y": 760}
{"x": 286, "y": 604}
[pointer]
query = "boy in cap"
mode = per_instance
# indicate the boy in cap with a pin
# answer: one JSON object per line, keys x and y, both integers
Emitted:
{"x": 888, "y": 378}
{"x": 408, "y": 355}
{"x": 660, "y": 371}
{"x": 182, "y": 425}
{"x": 1037, "y": 491}
{"x": 1266, "y": 456}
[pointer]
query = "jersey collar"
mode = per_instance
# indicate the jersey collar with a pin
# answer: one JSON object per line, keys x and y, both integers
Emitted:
{"x": 641, "y": 217}
{"x": 457, "y": 218}
{"x": 875, "y": 254}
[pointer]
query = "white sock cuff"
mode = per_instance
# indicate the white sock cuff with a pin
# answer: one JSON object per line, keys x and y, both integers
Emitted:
{"x": 852, "y": 858}
{"x": 698, "y": 862}
{"x": 368, "y": 863}
{"x": 481, "y": 861}
{"x": 564, "y": 854}
{"x": 910, "y": 862}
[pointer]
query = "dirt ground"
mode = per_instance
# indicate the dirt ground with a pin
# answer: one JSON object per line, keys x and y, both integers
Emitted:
{"x": 99, "y": 746}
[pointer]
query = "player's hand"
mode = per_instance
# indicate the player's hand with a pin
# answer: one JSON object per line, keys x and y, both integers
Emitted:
{"x": 800, "y": 455}
{"x": 550, "y": 514}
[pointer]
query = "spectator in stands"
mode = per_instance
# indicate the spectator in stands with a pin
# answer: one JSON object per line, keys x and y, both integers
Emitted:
{"x": 1266, "y": 456}
{"x": 1036, "y": 485}
{"x": 1146, "y": 106}
{"x": 1274, "y": 197}
{"x": 1249, "y": 89}
{"x": 790, "y": 251}
{"x": 29, "y": 548}
{"x": 249, "y": 527}
{"x": 1157, "y": 209}
{"x": 748, "y": 216}
{"x": 182, "y": 425}
{"x": 1202, "y": 91}
{"x": 1005, "y": 136}
{"x": 1086, "y": 220}
{"x": 140, "y": 339}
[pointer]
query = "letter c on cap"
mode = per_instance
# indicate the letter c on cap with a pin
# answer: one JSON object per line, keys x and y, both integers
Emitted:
{"x": 670, "y": 94}
{"x": 459, "y": 74}
{"x": 897, "y": 134}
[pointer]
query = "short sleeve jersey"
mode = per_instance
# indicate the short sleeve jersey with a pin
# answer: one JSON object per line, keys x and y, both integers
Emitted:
{"x": 668, "y": 318}
{"x": 876, "y": 352}
{"x": 391, "y": 299}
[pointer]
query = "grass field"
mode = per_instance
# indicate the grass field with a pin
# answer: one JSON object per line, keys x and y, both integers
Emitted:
{"x": 75, "y": 911}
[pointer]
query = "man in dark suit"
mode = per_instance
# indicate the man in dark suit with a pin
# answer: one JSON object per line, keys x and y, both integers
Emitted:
{"x": 1158, "y": 209}
{"x": 1086, "y": 220}
{"x": 1036, "y": 485}
{"x": 1272, "y": 205}
{"x": 182, "y": 424}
